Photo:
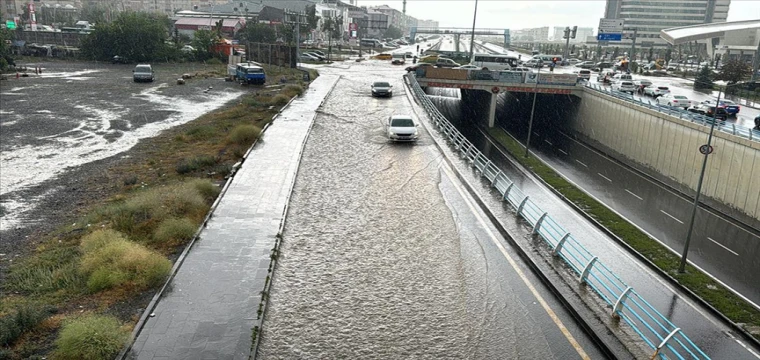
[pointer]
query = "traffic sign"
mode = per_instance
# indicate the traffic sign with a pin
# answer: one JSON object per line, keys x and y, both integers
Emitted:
{"x": 705, "y": 149}
{"x": 10, "y": 25}
{"x": 614, "y": 26}
{"x": 609, "y": 37}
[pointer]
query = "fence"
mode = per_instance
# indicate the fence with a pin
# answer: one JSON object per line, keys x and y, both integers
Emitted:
{"x": 665, "y": 339}
{"x": 733, "y": 129}
{"x": 271, "y": 54}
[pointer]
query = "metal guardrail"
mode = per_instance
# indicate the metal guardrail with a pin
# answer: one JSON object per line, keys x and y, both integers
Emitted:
{"x": 665, "y": 339}
{"x": 733, "y": 129}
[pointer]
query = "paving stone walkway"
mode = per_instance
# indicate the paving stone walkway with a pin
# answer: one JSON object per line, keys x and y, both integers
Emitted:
{"x": 209, "y": 309}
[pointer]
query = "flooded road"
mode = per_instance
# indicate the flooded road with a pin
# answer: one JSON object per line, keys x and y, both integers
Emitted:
{"x": 384, "y": 255}
{"x": 78, "y": 113}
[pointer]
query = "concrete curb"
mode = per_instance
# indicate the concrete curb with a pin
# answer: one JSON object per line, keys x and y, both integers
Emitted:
{"x": 534, "y": 268}
{"x": 278, "y": 237}
{"x": 178, "y": 263}
{"x": 671, "y": 280}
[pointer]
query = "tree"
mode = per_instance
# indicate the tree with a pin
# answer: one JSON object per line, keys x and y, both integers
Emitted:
{"x": 5, "y": 59}
{"x": 136, "y": 36}
{"x": 334, "y": 29}
{"x": 258, "y": 33}
{"x": 704, "y": 79}
{"x": 734, "y": 71}
{"x": 392, "y": 33}
{"x": 311, "y": 18}
{"x": 203, "y": 41}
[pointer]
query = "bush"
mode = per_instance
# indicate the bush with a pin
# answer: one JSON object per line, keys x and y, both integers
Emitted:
{"x": 174, "y": 231}
{"x": 51, "y": 270}
{"x": 293, "y": 90}
{"x": 202, "y": 132}
{"x": 279, "y": 100}
{"x": 214, "y": 61}
{"x": 199, "y": 162}
{"x": 131, "y": 215}
{"x": 20, "y": 320}
{"x": 91, "y": 337}
{"x": 185, "y": 200}
{"x": 111, "y": 260}
{"x": 253, "y": 102}
{"x": 244, "y": 134}
{"x": 204, "y": 187}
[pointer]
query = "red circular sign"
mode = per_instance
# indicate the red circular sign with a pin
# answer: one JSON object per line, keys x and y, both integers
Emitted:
{"x": 706, "y": 149}
{"x": 495, "y": 90}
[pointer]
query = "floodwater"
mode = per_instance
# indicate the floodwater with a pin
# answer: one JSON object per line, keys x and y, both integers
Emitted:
{"x": 383, "y": 256}
{"x": 76, "y": 113}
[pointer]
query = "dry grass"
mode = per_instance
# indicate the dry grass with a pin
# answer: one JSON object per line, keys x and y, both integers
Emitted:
{"x": 91, "y": 337}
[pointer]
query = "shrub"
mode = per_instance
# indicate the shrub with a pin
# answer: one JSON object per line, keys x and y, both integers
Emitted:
{"x": 174, "y": 231}
{"x": 91, "y": 337}
{"x": 20, "y": 320}
{"x": 194, "y": 164}
{"x": 204, "y": 187}
{"x": 293, "y": 90}
{"x": 185, "y": 200}
{"x": 51, "y": 270}
{"x": 111, "y": 260}
{"x": 131, "y": 215}
{"x": 253, "y": 102}
{"x": 279, "y": 100}
{"x": 214, "y": 61}
{"x": 244, "y": 134}
{"x": 202, "y": 132}
{"x": 130, "y": 180}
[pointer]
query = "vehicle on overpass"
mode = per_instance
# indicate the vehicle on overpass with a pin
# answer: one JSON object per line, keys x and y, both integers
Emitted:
{"x": 495, "y": 62}
{"x": 624, "y": 86}
{"x": 675, "y": 101}
{"x": 417, "y": 66}
{"x": 656, "y": 91}
{"x": 469, "y": 67}
{"x": 731, "y": 107}
{"x": 710, "y": 111}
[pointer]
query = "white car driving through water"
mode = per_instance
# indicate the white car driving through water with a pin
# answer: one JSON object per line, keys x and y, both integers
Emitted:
{"x": 402, "y": 128}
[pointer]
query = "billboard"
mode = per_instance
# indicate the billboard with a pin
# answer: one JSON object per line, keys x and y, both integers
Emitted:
{"x": 558, "y": 79}
{"x": 512, "y": 77}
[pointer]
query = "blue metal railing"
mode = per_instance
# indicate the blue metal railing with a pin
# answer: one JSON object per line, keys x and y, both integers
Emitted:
{"x": 733, "y": 129}
{"x": 665, "y": 339}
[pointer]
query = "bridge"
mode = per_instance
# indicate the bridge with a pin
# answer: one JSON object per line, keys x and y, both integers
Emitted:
{"x": 458, "y": 32}
{"x": 476, "y": 84}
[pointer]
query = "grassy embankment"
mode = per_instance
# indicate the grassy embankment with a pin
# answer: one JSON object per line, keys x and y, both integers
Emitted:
{"x": 79, "y": 293}
{"x": 705, "y": 287}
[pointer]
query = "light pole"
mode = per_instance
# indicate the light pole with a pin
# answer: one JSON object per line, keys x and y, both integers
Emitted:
{"x": 706, "y": 151}
{"x": 533, "y": 109}
{"x": 472, "y": 41}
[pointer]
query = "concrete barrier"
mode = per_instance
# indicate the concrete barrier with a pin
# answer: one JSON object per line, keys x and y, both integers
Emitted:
{"x": 667, "y": 148}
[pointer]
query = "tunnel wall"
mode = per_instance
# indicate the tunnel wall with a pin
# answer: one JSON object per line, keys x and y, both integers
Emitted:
{"x": 667, "y": 148}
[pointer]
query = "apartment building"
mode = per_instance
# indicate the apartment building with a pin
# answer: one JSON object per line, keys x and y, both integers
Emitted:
{"x": 649, "y": 17}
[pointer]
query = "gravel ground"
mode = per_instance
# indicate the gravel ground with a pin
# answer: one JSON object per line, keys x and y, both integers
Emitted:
{"x": 61, "y": 132}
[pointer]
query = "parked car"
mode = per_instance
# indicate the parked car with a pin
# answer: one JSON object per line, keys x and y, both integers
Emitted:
{"x": 309, "y": 57}
{"x": 641, "y": 84}
{"x": 573, "y": 61}
{"x": 624, "y": 86}
{"x": 187, "y": 49}
{"x": 382, "y": 88}
{"x": 469, "y": 67}
{"x": 417, "y": 66}
{"x": 708, "y": 110}
{"x": 444, "y": 62}
{"x": 675, "y": 100}
{"x": 119, "y": 60}
{"x": 402, "y": 128}
{"x": 521, "y": 69}
{"x": 314, "y": 54}
{"x": 143, "y": 72}
{"x": 585, "y": 65}
{"x": 731, "y": 107}
{"x": 655, "y": 91}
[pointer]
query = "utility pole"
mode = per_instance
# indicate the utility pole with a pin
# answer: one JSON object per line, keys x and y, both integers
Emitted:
{"x": 632, "y": 55}
{"x": 569, "y": 34}
{"x": 472, "y": 41}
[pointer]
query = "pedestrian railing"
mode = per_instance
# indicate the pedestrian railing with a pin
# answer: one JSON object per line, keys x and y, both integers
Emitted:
{"x": 733, "y": 129}
{"x": 665, "y": 339}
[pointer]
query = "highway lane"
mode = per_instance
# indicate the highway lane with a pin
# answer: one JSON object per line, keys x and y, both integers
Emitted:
{"x": 385, "y": 255}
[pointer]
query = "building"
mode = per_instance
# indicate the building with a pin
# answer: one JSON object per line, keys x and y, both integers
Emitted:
{"x": 649, "y": 17}
{"x": 580, "y": 35}
{"x": 10, "y": 9}
{"x": 534, "y": 34}
{"x": 374, "y": 25}
{"x": 188, "y": 25}
{"x": 427, "y": 24}
{"x": 396, "y": 18}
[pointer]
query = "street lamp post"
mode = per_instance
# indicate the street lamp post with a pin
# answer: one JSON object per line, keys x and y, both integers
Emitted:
{"x": 472, "y": 41}
{"x": 532, "y": 110}
{"x": 706, "y": 152}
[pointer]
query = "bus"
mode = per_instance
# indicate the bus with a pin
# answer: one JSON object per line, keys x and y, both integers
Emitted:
{"x": 370, "y": 43}
{"x": 495, "y": 62}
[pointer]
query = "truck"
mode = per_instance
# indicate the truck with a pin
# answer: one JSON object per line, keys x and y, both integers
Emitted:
{"x": 250, "y": 73}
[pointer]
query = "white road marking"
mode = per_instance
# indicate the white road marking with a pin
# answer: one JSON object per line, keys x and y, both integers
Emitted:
{"x": 563, "y": 151}
{"x": 605, "y": 178}
{"x": 634, "y": 195}
{"x": 548, "y": 142}
{"x": 579, "y": 162}
{"x": 672, "y": 217}
{"x": 723, "y": 246}
{"x": 557, "y": 321}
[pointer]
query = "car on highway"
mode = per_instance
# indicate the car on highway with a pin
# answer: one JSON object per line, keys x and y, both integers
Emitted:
{"x": 402, "y": 128}
{"x": 584, "y": 74}
{"x": 655, "y": 91}
{"x": 534, "y": 63}
{"x": 731, "y": 107}
{"x": 675, "y": 101}
{"x": 521, "y": 69}
{"x": 585, "y": 65}
{"x": 620, "y": 77}
{"x": 708, "y": 110}
{"x": 624, "y": 86}
{"x": 382, "y": 88}
{"x": 383, "y": 56}
{"x": 641, "y": 84}
{"x": 417, "y": 66}
{"x": 469, "y": 67}
{"x": 602, "y": 65}
{"x": 605, "y": 77}
{"x": 143, "y": 72}
{"x": 398, "y": 59}
{"x": 446, "y": 63}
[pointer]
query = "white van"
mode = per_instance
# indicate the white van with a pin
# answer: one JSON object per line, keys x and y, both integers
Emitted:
{"x": 619, "y": 77}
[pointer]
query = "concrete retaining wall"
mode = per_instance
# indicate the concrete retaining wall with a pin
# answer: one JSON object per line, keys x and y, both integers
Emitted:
{"x": 668, "y": 148}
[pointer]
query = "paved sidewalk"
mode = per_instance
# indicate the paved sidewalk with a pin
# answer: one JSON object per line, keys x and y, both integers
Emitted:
{"x": 209, "y": 309}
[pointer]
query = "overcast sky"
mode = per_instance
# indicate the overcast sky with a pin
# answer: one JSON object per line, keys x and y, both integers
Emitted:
{"x": 514, "y": 14}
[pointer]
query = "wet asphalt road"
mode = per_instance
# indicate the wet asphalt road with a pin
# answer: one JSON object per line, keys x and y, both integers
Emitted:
{"x": 384, "y": 255}
{"x": 78, "y": 113}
